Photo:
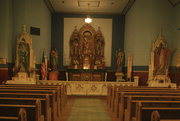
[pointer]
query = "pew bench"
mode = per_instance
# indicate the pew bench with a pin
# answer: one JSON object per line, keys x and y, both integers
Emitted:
{"x": 60, "y": 92}
{"x": 119, "y": 105}
{"x": 50, "y": 101}
{"x": 19, "y": 116}
{"x": 33, "y": 111}
{"x": 45, "y": 105}
{"x": 130, "y": 103}
{"x": 167, "y": 109}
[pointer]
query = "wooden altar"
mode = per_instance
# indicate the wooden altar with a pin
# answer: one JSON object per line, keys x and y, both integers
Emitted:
{"x": 87, "y": 48}
{"x": 86, "y": 75}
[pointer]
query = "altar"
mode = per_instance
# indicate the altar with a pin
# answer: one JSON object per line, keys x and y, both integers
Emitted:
{"x": 87, "y": 88}
{"x": 86, "y": 74}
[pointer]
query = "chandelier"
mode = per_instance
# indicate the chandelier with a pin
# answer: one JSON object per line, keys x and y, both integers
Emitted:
{"x": 88, "y": 19}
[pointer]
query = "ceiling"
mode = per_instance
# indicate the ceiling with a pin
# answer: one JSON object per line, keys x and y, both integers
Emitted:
{"x": 94, "y": 6}
{"x": 91, "y": 6}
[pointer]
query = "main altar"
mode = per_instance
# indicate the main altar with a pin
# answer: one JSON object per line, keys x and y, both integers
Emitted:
{"x": 86, "y": 55}
{"x": 87, "y": 48}
{"x": 86, "y": 74}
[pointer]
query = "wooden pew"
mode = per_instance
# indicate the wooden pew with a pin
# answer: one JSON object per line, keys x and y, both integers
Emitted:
{"x": 43, "y": 89}
{"x": 131, "y": 102}
{"x": 115, "y": 90}
{"x": 170, "y": 109}
{"x": 20, "y": 116}
{"x": 45, "y": 104}
{"x": 119, "y": 113}
{"x": 33, "y": 111}
{"x": 53, "y": 108}
{"x": 61, "y": 90}
{"x": 119, "y": 94}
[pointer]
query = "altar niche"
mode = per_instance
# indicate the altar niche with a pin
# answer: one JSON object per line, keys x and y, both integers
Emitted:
{"x": 159, "y": 64}
{"x": 24, "y": 70}
{"x": 87, "y": 48}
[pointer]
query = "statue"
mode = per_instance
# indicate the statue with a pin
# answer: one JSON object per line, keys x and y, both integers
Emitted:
{"x": 120, "y": 57}
{"x": 158, "y": 66}
{"x": 99, "y": 47}
{"x": 23, "y": 56}
{"x": 54, "y": 59}
{"x": 161, "y": 59}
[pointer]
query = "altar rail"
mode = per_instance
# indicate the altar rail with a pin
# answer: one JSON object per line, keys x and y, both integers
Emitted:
{"x": 86, "y": 87}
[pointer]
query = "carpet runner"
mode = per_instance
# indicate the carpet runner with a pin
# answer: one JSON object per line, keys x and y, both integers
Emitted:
{"x": 88, "y": 109}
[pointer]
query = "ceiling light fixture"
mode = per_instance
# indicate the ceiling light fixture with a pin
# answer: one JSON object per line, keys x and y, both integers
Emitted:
{"x": 88, "y": 19}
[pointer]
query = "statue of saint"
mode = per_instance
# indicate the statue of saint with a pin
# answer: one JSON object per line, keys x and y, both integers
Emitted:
{"x": 120, "y": 57}
{"x": 76, "y": 47}
{"x": 54, "y": 59}
{"x": 161, "y": 59}
{"x": 23, "y": 56}
{"x": 99, "y": 47}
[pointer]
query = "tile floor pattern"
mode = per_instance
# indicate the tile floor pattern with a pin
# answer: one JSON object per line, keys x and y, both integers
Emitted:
{"x": 88, "y": 109}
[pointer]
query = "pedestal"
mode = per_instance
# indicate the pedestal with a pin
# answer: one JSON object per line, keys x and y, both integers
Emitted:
{"x": 53, "y": 75}
{"x": 22, "y": 78}
{"x": 119, "y": 76}
{"x": 161, "y": 81}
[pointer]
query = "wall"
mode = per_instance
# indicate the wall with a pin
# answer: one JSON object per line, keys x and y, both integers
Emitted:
{"x": 143, "y": 23}
{"x": 176, "y": 31}
{"x": 14, "y": 14}
{"x": 34, "y": 13}
{"x": 6, "y": 23}
{"x": 117, "y": 34}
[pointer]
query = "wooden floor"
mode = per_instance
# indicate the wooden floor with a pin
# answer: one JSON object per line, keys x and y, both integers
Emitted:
{"x": 83, "y": 108}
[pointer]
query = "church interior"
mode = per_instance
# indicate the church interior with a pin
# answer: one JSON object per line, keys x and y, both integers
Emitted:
{"x": 89, "y": 60}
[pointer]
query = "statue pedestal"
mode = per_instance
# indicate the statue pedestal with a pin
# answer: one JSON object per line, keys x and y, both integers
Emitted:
{"x": 119, "y": 77}
{"x": 161, "y": 81}
{"x": 22, "y": 78}
{"x": 53, "y": 75}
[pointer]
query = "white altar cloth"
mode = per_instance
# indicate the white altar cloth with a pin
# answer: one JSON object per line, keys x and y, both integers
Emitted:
{"x": 86, "y": 87}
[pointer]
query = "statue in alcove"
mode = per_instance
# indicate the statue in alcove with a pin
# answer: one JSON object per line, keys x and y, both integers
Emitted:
{"x": 161, "y": 59}
{"x": 99, "y": 48}
{"x": 159, "y": 62}
{"x": 23, "y": 56}
{"x": 25, "y": 69}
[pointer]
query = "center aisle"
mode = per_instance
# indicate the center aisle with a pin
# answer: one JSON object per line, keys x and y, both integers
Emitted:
{"x": 88, "y": 109}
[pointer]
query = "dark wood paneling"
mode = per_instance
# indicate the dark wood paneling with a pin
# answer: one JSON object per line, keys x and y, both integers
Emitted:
{"x": 143, "y": 77}
{"x": 175, "y": 77}
{"x": 3, "y": 75}
{"x": 111, "y": 76}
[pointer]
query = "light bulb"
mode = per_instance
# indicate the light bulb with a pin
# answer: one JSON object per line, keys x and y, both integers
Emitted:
{"x": 88, "y": 20}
